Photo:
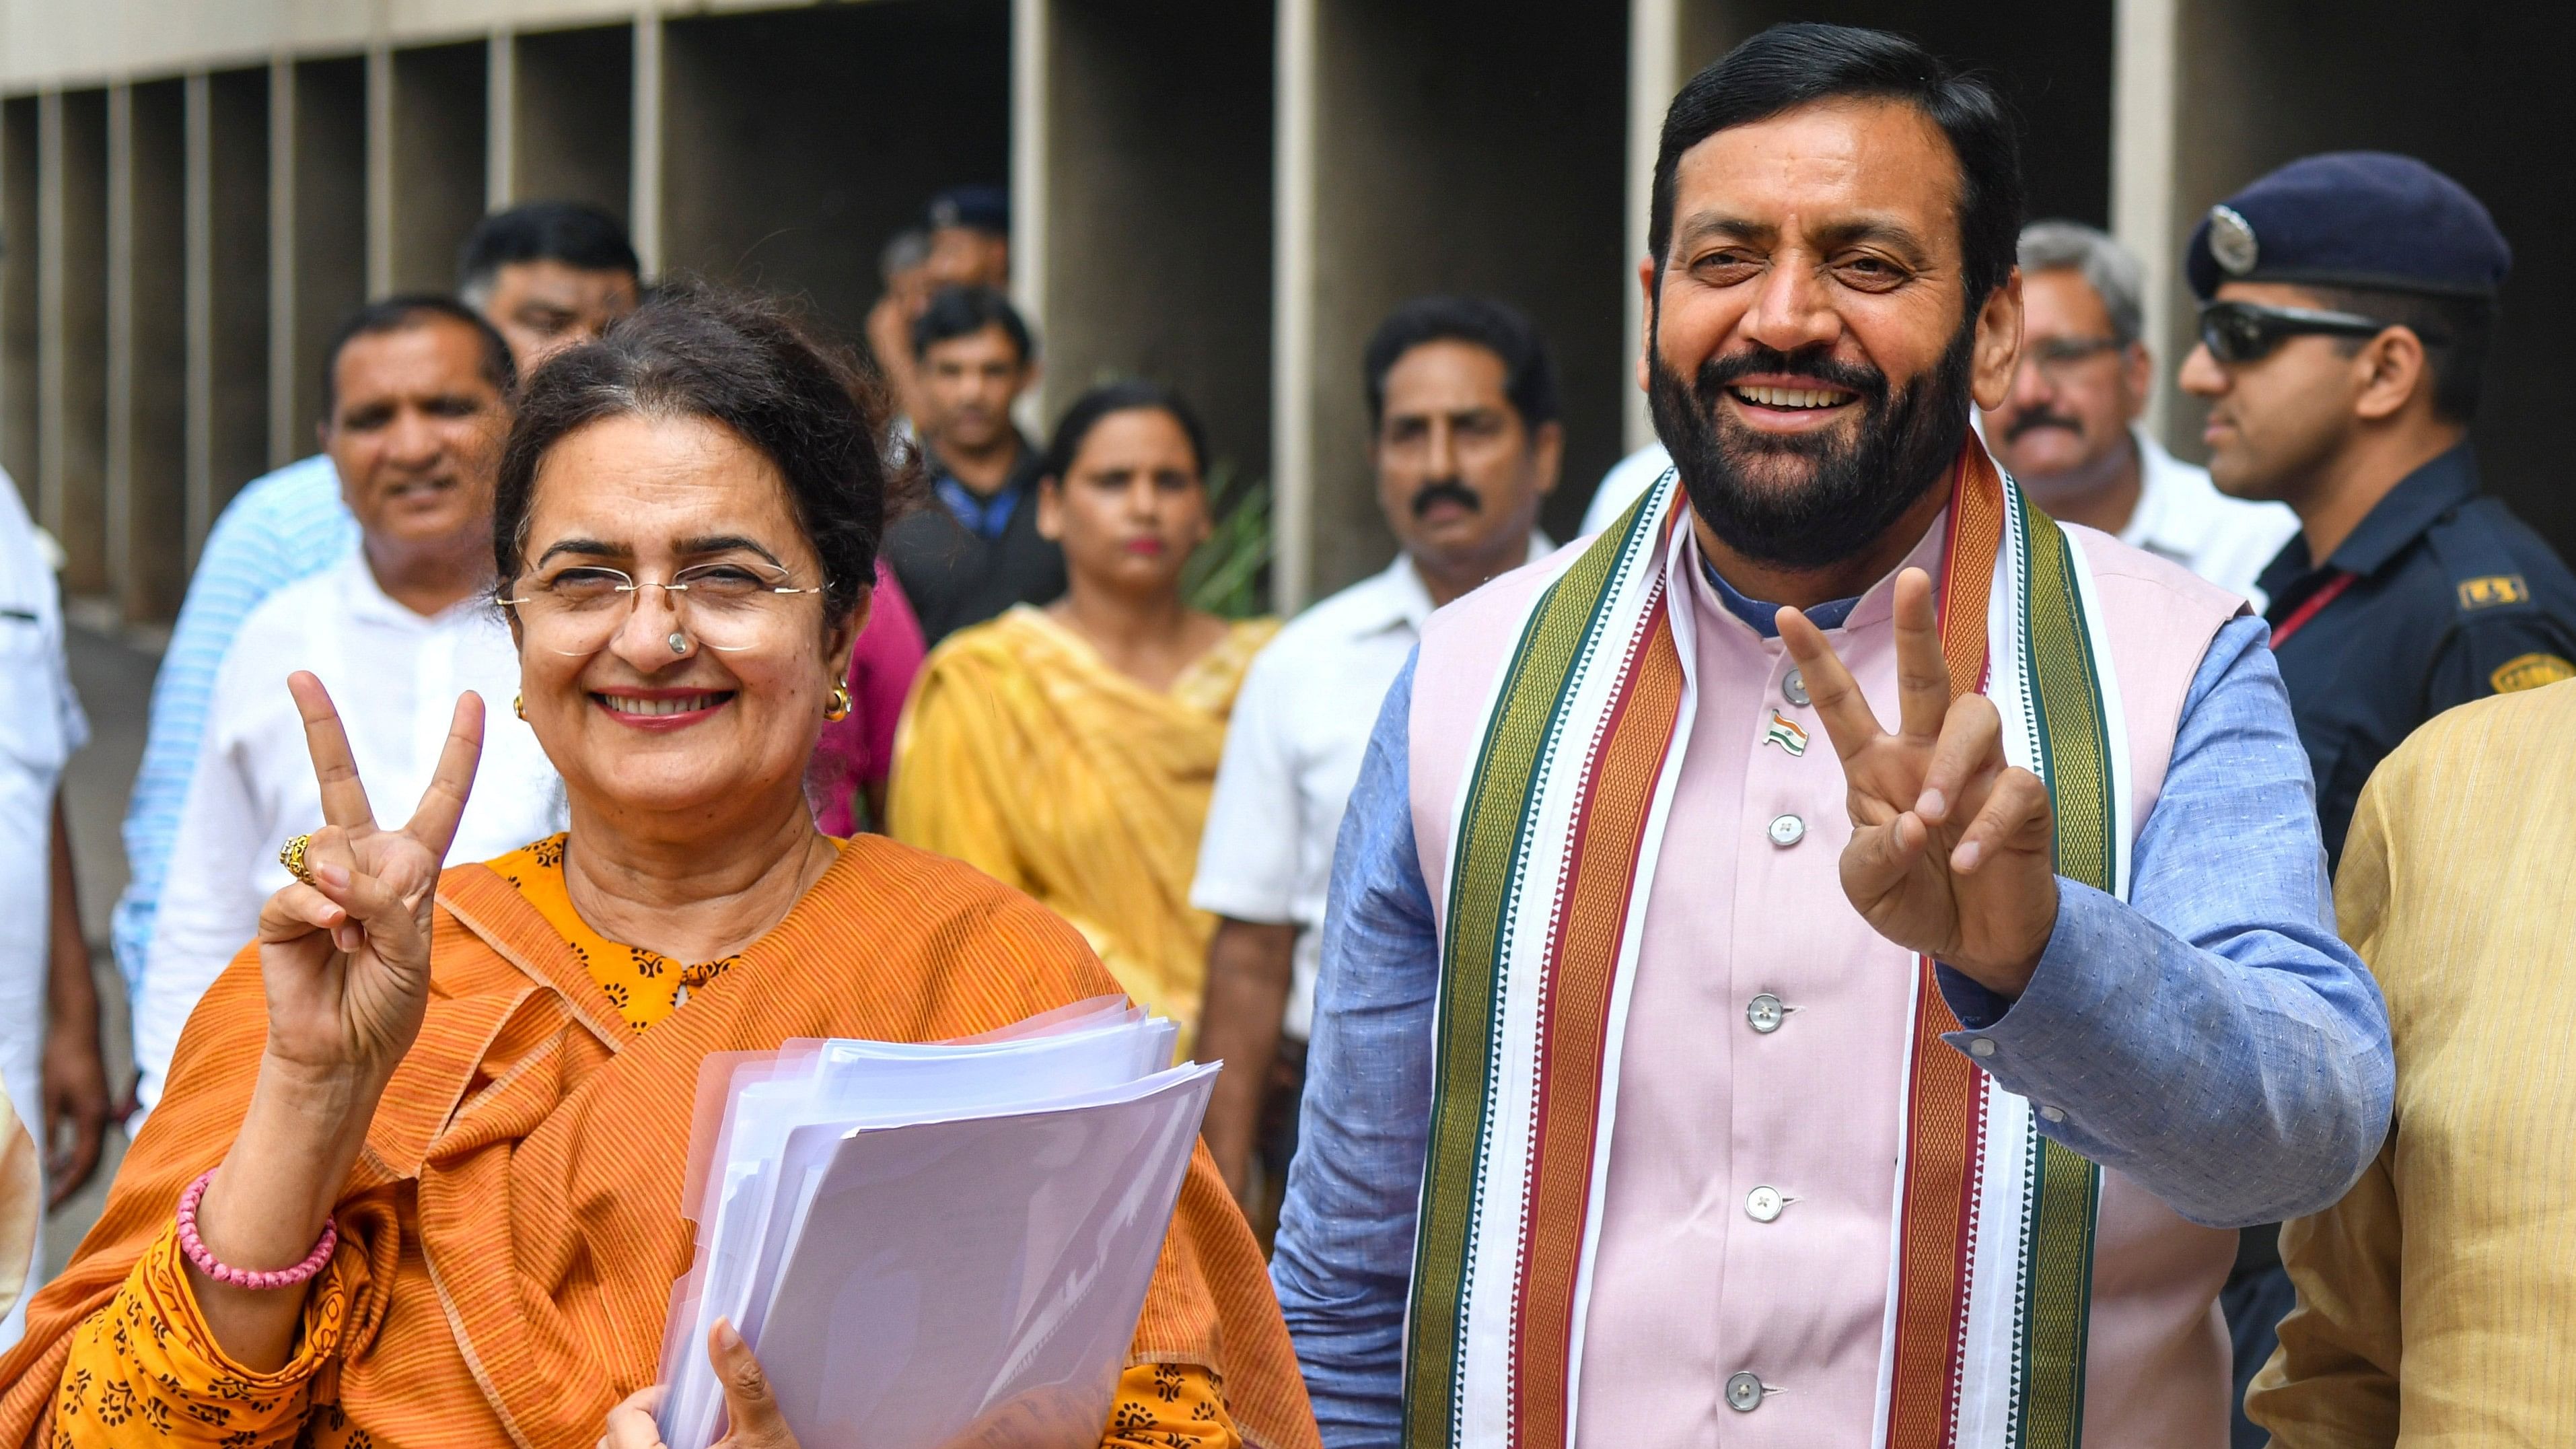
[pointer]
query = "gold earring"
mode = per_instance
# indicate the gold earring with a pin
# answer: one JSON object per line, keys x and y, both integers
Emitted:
{"x": 838, "y": 706}
{"x": 519, "y": 705}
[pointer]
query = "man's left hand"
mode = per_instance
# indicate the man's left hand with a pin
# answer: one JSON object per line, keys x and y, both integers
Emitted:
{"x": 1952, "y": 848}
{"x": 74, "y": 1084}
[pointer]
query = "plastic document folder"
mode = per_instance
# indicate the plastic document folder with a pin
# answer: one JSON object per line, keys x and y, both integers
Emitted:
{"x": 933, "y": 1244}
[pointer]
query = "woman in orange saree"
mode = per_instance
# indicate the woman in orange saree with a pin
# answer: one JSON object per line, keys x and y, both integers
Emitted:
{"x": 482, "y": 1081}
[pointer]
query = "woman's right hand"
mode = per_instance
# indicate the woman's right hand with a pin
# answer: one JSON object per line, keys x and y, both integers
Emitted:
{"x": 751, "y": 1409}
{"x": 345, "y": 960}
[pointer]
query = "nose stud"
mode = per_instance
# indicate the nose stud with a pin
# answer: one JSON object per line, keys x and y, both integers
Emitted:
{"x": 679, "y": 642}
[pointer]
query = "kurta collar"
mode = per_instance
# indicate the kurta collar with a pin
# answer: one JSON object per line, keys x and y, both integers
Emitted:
{"x": 1874, "y": 605}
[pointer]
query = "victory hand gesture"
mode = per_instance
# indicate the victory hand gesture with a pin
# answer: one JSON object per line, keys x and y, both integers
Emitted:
{"x": 1952, "y": 848}
{"x": 345, "y": 957}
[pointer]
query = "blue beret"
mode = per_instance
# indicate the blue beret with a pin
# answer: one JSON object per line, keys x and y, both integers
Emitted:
{"x": 2352, "y": 219}
{"x": 977, "y": 208}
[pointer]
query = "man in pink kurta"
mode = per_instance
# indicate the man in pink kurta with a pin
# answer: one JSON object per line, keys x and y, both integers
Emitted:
{"x": 1830, "y": 282}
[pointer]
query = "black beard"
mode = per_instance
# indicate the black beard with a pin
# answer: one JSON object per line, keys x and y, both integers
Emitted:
{"x": 1853, "y": 492}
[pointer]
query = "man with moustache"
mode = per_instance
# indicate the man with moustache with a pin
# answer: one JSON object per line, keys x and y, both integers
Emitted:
{"x": 2068, "y": 430}
{"x": 1464, "y": 435}
{"x": 1937, "y": 1059}
{"x": 415, "y": 404}
{"x": 547, "y": 274}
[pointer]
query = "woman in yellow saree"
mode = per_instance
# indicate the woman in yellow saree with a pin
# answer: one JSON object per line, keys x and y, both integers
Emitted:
{"x": 417, "y": 1174}
{"x": 1069, "y": 751}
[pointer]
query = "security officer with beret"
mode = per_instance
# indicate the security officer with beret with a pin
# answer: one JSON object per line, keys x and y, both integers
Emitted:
{"x": 2347, "y": 302}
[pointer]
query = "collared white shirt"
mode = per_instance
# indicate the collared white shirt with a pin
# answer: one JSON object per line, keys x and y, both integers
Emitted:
{"x": 40, "y": 726}
{"x": 2182, "y": 516}
{"x": 1292, "y": 753}
{"x": 394, "y": 676}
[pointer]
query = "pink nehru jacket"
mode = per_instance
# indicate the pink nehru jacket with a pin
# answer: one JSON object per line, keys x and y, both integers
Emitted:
{"x": 1689, "y": 1286}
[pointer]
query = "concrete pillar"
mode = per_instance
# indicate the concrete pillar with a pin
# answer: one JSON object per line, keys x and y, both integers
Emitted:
{"x": 2144, "y": 118}
{"x": 1293, "y": 186}
{"x": 228, "y": 291}
{"x": 806, "y": 148}
{"x": 319, "y": 245}
{"x": 147, "y": 513}
{"x": 439, "y": 161}
{"x": 1455, "y": 147}
{"x": 283, "y": 411}
{"x": 500, "y": 118}
{"x": 72, "y": 246}
{"x": 379, "y": 177}
{"x": 1146, "y": 249}
{"x": 1654, "y": 72}
{"x": 647, "y": 116}
{"x": 573, "y": 117}
{"x": 20, "y": 312}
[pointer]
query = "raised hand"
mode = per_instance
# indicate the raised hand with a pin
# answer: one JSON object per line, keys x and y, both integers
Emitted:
{"x": 1951, "y": 851}
{"x": 346, "y": 959}
{"x": 345, "y": 964}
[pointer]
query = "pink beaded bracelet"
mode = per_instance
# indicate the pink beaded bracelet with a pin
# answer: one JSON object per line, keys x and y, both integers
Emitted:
{"x": 215, "y": 1268}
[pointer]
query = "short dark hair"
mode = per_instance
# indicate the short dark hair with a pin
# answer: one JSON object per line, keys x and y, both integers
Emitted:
{"x": 1127, "y": 395}
{"x": 1529, "y": 373}
{"x": 402, "y": 314}
{"x": 581, "y": 237}
{"x": 1800, "y": 64}
{"x": 956, "y": 312}
{"x": 2456, "y": 331}
{"x": 746, "y": 365}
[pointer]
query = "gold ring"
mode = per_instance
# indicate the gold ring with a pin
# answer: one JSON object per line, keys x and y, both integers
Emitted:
{"x": 291, "y": 855}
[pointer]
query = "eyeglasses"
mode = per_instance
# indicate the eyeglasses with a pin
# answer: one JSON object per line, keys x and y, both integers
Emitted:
{"x": 728, "y": 606}
{"x": 2057, "y": 356}
{"x": 2236, "y": 332}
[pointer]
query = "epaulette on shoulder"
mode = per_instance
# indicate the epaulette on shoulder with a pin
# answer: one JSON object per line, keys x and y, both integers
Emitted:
{"x": 2478, "y": 562}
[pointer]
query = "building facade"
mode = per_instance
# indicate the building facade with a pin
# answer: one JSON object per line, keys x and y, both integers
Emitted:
{"x": 1223, "y": 195}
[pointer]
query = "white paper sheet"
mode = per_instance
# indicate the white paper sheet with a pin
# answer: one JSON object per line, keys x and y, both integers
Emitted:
{"x": 786, "y": 1149}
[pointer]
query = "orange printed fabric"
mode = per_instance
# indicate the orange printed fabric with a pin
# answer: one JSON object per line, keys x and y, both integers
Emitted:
{"x": 144, "y": 1371}
{"x": 1169, "y": 1406}
{"x": 519, "y": 1235}
{"x": 644, "y": 985}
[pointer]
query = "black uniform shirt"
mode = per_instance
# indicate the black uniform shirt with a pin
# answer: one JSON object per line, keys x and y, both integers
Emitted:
{"x": 954, "y": 577}
{"x": 2451, "y": 598}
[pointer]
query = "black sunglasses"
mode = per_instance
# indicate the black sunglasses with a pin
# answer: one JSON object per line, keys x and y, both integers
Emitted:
{"x": 2246, "y": 331}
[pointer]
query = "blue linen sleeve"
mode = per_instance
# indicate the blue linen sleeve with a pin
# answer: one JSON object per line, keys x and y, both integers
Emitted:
{"x": 2211, "y": 1038}
{"x": 1344, "y": 1255}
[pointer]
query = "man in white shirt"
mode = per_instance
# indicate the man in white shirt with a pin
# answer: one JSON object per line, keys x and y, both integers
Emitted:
{"x": 2069, "y": 434}
{"x": 49, "y": 1062}
{"x": 1462, "y": 396}
{"x": 415, "y": 408}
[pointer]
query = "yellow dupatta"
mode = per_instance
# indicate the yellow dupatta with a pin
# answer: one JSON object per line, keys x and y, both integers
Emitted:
{"x": 1023, "y": 753}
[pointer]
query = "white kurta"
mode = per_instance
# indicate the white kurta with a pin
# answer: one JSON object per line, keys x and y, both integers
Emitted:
{"x": 40, "y": 726}
{"x": 394, "y": 676}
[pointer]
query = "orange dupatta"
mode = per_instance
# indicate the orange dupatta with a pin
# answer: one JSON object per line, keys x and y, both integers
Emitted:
{"x": 519, "y": 1264}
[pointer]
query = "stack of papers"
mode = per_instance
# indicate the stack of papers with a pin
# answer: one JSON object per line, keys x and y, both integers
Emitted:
{"x": 928, "y": 1244}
